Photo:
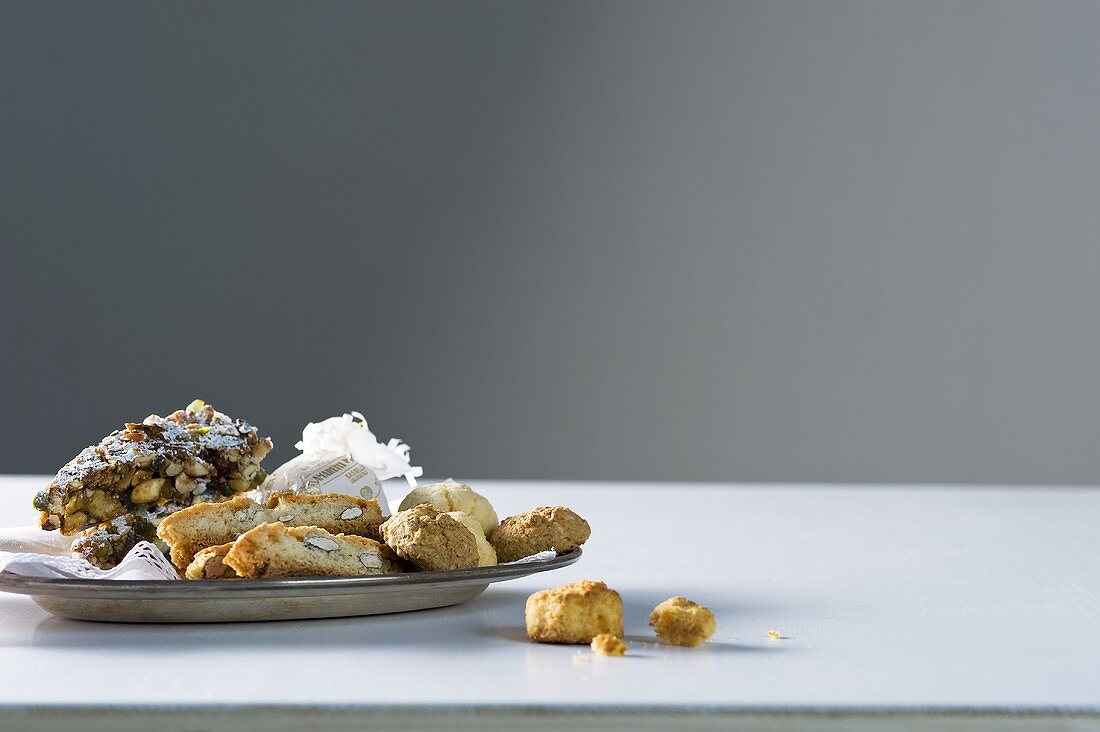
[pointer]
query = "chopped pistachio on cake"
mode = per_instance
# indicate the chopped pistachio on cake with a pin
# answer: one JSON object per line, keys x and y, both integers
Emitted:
{"x": 150, "y": 469}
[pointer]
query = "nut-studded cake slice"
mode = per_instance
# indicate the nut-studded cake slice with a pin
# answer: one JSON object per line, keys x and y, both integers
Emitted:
{"x": 153, "y": 468}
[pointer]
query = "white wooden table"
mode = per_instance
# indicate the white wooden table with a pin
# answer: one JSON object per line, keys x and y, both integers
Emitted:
{"x": 899, "y": 607}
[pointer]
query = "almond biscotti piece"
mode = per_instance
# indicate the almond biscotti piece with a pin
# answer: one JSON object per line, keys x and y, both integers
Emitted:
{"x": 210, "y": 564}
{"x": 337, "y": 513}
{"x": 211, "y": 524}
{"x": 273, "y": 550}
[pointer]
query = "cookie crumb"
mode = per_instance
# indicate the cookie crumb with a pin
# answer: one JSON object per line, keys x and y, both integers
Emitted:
{"x": 608, "y": 645}
{"x": 581, "y": 658}
{"x": 774, "y": 634}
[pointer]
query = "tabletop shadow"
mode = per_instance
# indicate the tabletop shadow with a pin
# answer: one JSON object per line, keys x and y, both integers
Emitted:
{"x": 436, "y": 627}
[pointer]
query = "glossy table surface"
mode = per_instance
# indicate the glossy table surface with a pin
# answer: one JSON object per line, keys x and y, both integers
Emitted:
{"x": 896, "y": 606}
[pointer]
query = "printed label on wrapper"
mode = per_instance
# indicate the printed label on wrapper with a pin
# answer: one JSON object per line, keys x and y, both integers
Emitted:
{"x": 326, "y": 474}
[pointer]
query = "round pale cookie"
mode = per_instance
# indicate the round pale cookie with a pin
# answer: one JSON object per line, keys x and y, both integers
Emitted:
{"x": 486, "y": 554}
{"x": 453, "y": 496}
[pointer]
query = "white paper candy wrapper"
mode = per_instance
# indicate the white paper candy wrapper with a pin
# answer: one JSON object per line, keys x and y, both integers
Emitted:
{"x": 324, "y": 473}
{"x": 342, "y": 455}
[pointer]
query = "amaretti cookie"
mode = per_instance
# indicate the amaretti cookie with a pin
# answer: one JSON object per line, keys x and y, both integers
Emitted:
{"x": 453, "y": 496}
{"x": 430, "y": 540}
{"x": 683, "y": 622}
{"x": 545, "y": 528}
{"x": 574, "y": 613}
{"x": 274, "y": 550}
{"x": 486, "y": 554}
{"x": 211, "y": 524}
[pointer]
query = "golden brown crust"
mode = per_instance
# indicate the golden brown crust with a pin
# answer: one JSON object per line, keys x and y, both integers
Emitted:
{"x": 606, "y": 644}
{"x": 574, "y": 613}
{"x": 683, "y": 622}
{"x": 210, "y": 564}
{"x": 274, "y": 550}
{"x": 211, "y": 524}
{"x": 545, "y": 528}
{"x": 430, "y": 540}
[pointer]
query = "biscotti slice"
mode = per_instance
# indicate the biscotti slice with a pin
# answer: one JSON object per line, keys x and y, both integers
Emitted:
{"x": 210, "y": 564}
{"x": 274, "y": 550}
{"x": 195, "y": 528}
{"x": 195, "y": 454}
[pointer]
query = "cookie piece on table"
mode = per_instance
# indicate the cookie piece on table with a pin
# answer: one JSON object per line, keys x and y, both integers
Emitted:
{"x": 546, "y": 528}
{"x": 193, "y": 455}
{"x": 574, "y": 613}
{"x": 198, "y": 527}
{"x": 274, "y": 550}
{"x": 210, "y": 564}
{"x": 430, "y": 540}
{"x": 683, "y": 622}
{"x": 453, "y": 496}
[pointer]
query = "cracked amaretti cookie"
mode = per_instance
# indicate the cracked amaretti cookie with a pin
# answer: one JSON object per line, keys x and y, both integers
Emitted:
{"x": 209, "y": 524}
{"x": 429, "y": 539}
{"x": 149, "y": 470}
{"x": 544, "y": 528}
{"x": 273, "y": 550}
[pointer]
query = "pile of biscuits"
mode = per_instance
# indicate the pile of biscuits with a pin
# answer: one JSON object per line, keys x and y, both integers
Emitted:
{"x": 588, "y": 612}
{"x": 438, "y": 527}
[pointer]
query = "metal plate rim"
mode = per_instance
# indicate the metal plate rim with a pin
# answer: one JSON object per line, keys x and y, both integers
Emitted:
{"x": 283, "y": 587}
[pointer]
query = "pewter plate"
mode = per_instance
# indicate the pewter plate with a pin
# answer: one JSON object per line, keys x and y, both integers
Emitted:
{"x": 292, "y": 598}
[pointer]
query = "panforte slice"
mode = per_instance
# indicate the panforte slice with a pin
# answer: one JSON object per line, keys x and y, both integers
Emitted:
{"x": 153, "y": 468}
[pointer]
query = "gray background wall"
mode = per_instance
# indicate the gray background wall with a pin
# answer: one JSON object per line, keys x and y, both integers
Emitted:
{"x": 838, "y": 241}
